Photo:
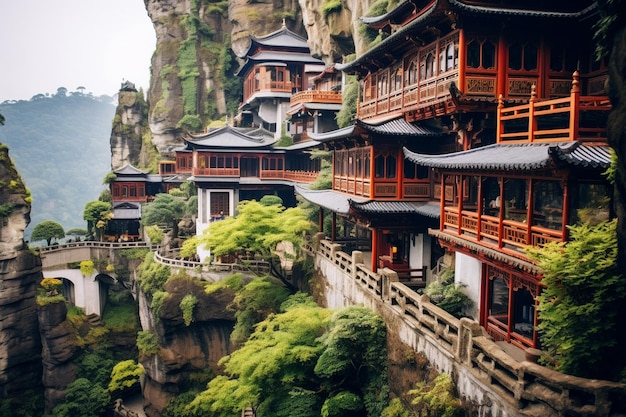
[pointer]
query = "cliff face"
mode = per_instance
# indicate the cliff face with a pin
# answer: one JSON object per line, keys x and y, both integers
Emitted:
{"x": 337, "y": 36}
{"x": 185, "y": 351}
{"x": 192, "y": 79}
{"x": 20, "y": 274}
{"x": 130, "y": 125}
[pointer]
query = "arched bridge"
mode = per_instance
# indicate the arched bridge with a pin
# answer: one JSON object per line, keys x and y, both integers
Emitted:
{"x": 87, "y": 292}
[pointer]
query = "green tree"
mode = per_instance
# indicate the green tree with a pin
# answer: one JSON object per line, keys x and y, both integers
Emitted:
{"x": 304, "y": 362}
{"x": 258, "y": 229}
{"x": 165, "y": 209}
{"x": 82, "y": 399}
{"x": 125, "y": 375}
{"x": 579, "y": 306}
{"x": 354, "y": 363}
{"x": 47, "y": 230}
{"x": 253, "y": 303}
{"x": 272, "y": 369}
{"x": 97, "y": 214}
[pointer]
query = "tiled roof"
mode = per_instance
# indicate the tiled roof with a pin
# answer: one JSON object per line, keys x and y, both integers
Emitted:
{"x": 300, "y": 145}
{"x": 427, "y": 209}
{"x": 491, "y": 253}
{"x": 398, "y": 127}
{"x": 342, "y": 133}
{"x": 283, "y": 37}
{"x": 522, "y": 157}
{"x": 278, "y": 56}
{"x": 230, "y": 137}
{"x": 509, "y": 11}
{"x": 329, "y": 199}
{"x": 128, "y": 169}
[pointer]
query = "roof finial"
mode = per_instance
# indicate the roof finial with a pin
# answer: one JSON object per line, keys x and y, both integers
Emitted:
{"x": 284, "y": 24}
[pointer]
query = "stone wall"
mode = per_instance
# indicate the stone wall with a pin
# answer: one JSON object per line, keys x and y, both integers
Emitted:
{"x": 484, "y": 374}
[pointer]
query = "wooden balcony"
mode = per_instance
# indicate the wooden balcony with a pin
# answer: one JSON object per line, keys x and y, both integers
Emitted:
{"x": 501, "y": 234}
{"x": 563, "y": 119}
{"x": 264, "y": 174}
{"x": 315, "y": 96}
{"x": 411, "y": 98}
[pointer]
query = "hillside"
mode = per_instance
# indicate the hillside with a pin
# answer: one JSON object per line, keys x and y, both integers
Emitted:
{"x": 60, "y": 146}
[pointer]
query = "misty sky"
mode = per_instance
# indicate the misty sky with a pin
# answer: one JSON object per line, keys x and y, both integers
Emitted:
{"x": 95, "y": 44}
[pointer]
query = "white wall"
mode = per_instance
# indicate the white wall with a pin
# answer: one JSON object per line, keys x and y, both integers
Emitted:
{"x": 468, "y": 271}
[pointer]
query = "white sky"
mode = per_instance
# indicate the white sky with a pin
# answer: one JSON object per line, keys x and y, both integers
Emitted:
{"x": 95, "y": 44}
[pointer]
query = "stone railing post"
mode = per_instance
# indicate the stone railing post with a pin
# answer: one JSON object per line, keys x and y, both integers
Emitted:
{"x": 357, "y": 258}
{"x": 387, "y": 276}
{"x": 467, "y": 330}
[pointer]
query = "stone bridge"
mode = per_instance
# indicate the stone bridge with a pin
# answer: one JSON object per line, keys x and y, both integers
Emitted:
{"x": 87, "y": 292}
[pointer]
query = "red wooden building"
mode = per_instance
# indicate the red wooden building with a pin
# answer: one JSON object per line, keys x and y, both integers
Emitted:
{"x": 493, "y": 112}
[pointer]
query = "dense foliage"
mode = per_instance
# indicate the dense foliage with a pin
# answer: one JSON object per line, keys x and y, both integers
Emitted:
{"x": 166, "y": 210}
{"x": 97, "y": 214}
{"x": 579, "y": 309}
{"x": 44, "y": 134}
{"x": 304, "y": 361}
{"x": 257, "y": 229}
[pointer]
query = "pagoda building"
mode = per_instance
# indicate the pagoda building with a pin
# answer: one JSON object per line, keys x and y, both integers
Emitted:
{"x": 131, "y": 188}
{"x": 275, "y": 67}
{"x": 232, "y": 164}
{"x": 494, "y": 113}
{"x": 315, "y": 109}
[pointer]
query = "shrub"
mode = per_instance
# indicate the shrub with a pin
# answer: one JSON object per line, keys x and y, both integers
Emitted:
{"x": 330, "y": 6}
{"x": 187, "y": 304}
{"x": 147, "y": 343}
{"x": 437, "y": 398}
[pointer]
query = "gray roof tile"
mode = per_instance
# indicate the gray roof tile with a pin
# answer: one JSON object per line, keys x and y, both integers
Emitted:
{"x": 522, "y": 157}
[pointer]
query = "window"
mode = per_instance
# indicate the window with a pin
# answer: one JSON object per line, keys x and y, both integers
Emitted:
{"x": 411, "y": 71}
{"x": 481, "y": 53}
{"x": 523, "y": 56}
{"x": 548, "y": 204}
{"x": 390, "y": 170}
{"x": 412, "y": 171}
{"x": 448, "y": 55}
{"x": 382, "y": 85}
{"x": 396, "y": 79}
{"x": 499, "y": 301}
{"x": 491, "y": 196}
{"x": 516, "y": 200}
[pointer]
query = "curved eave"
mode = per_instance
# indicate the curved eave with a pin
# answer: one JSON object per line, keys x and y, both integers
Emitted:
{"x": 397, "y": 208}
{"x": 518, "y": 157}
{"x": 227, "y": 137}
{"x": 501, "y": 11}
{"x": 332, "y": 200}
{"x": 398, "y": 127}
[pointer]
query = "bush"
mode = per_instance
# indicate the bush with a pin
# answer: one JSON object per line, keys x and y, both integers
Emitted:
{"x": 147, "y": 343}
{"x": 437, "y": 398}
{"x": 581, "y": 307}
{"x": 187, "y": 304}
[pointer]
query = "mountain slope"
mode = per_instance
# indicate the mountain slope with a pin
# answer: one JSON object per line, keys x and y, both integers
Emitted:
{"x": 60, "y": 146}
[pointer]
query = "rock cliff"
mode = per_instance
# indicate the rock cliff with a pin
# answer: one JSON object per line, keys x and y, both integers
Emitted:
{"x": 130, "y": 126}
{"x": 20, "y": 274}
{"x": 192, "y": 69}
{"x": 186, "y": 352}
